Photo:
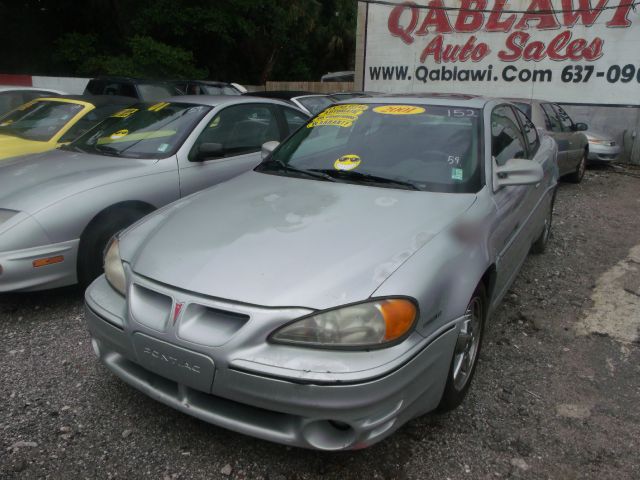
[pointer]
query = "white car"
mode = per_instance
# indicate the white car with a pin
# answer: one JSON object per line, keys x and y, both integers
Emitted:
{"x": 12, "y": 97}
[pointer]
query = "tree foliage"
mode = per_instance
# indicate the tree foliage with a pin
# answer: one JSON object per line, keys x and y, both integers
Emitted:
{"x": 247, "y": 41}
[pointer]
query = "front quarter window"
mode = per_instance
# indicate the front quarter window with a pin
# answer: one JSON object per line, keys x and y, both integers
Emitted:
{"x": 506, "y": 139}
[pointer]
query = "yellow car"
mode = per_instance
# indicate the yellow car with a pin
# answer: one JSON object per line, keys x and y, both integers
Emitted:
{"x": 46, "y": 123}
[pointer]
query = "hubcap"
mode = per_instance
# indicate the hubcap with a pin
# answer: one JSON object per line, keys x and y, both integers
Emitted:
{"x": 467, "y": 345}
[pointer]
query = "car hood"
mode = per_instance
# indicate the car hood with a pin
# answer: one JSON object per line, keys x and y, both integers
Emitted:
{"x": 279, "y": 241}
{"x": 14, "y": 146}
{"x": 31, "y": 183}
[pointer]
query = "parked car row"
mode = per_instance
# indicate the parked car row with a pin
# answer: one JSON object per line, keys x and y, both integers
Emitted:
{"x": 316, "y": 281}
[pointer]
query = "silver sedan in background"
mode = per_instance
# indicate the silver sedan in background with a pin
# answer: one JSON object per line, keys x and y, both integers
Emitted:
{"x": 59, "y": 209}
{"x": 573, "y": 147}
{"x": 603, "y": 148}
{"x": 340, "y": 288}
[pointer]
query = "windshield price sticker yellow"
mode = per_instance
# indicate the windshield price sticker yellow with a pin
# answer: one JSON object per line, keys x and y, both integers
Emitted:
{"x": 158, "y": 106}
{"x": 347, "y": 163}
{"x": 399, "y": 110}
{"x": 126, "y": 113}
{"x": 119, "y": 134}
{"x": 339, "y": 116}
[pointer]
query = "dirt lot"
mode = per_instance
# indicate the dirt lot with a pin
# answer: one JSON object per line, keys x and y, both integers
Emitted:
{"x": 555, "y": 396}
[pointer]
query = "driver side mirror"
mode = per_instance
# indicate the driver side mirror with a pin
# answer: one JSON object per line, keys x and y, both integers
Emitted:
{"x": 516, "y": 172}
{"x": 580, "y": 127}
{"x": 268, "y": 148}
{"x": 208, "y": 151}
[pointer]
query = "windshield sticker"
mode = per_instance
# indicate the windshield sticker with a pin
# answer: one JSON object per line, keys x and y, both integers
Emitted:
{"x": 119, "y": 134}
{"x": 215, "y": 123}
{"x": 126, "y": 113}
{"x": 399, "y": 110}
{"x": 119, "y": 137}
{"x": 347, "y": 163}
{"x": 457, "y": 174}
{"x": 158, "y": 106}
{"x": 6, "y": 124}
{"x": 163, "y": 147}
{"x": 339, "y": 116}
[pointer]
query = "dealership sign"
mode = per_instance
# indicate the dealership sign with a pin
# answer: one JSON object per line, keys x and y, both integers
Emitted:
{"x": 574, "y": 51}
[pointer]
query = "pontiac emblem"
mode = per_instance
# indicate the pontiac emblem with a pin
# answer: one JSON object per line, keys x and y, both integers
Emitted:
{"x": 176, "y": 311}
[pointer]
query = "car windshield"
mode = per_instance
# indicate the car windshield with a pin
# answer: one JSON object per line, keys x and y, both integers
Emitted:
{"x": 142, "y": 131}
{"x": 417, "y": 147}
{"x": 315, "y": 104}
{"x": 153, "y": 93}
{"x": 39, "y": 120}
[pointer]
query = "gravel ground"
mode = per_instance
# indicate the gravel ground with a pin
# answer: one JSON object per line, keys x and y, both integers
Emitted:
{"x": 548, "y": 400}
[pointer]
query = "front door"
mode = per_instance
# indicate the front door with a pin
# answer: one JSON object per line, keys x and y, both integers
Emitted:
{"x": 229, "y": 145}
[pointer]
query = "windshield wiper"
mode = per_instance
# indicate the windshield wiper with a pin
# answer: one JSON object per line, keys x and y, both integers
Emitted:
{"x": 365, "y": 177}
{"x": 309, "y": 173}
{"x": 103, "y": 149}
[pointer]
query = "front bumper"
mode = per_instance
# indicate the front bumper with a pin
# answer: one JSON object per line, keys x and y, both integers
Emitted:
{"x": 18, "y": 274}
{"x": 348, "y": 410}
{"x": 603, "y": 153}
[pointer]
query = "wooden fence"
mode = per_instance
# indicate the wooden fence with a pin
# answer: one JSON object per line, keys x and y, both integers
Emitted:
{"x": 314, "y": 87}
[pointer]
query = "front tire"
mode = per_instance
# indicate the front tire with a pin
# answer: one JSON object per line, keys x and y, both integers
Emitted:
{"x": 581, "y": 168}
{"x": 94, "y": 241}
{"x": 540, "y": 245}
{"x": 466, "y": 352}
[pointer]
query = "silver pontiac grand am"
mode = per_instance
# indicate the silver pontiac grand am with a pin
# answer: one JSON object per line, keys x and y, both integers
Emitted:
{"x": 341, "y": 287}
{"x": 58, "y": 210}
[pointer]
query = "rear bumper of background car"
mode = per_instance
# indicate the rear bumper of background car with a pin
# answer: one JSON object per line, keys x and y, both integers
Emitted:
{"x": 39, "y": 268}
{"x": 239, "y": 396}
{"x": 603, "y": 153}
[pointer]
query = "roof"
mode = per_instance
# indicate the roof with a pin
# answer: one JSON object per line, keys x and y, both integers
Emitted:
{"x": 214, "y": 83}
{"x": 11, "y": 88}
{"x": 215, "y": 100}
{"x": 98, "y": 100}
{"x": 444, "y": 99}
{"x": 281, "y": 94}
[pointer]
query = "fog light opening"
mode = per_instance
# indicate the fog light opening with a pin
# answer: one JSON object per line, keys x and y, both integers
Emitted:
{"x": 340, "y": 425}
{"x": 329, "y": 434}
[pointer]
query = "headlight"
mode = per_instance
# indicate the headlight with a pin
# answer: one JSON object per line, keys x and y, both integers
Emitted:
{"x": 113, "y": 269}
{"x": 378, "y": 323}
{"x": 597, "y": 141}
{"x": 6, "y": 215}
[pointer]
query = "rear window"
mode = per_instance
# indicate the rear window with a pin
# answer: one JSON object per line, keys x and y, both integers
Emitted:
{"x": 153, "y": 93}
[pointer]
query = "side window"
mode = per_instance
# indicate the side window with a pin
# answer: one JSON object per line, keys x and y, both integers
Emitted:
{"x": 506, "y": 138}
{"x": 530, "y": 133}
{"x": 565, "y": 119}
{"x": 552, "y": 122}
{"x": 96, "y": 87}
{"x": 238, "y": 130}
{"x": 294, "y": 119}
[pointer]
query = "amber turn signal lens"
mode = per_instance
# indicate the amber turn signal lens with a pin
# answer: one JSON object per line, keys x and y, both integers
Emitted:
{"x": 399, "y": 316}
{"x": 43, "y": 262}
